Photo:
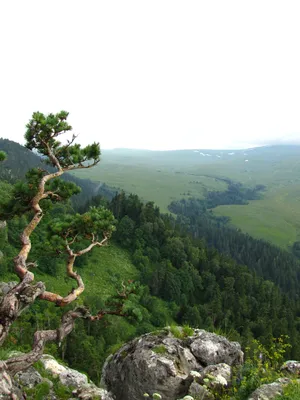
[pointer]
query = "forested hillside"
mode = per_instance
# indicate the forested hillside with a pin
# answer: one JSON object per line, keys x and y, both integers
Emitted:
{"x": 269, "y": 261}
{"x": 178, "y": 272}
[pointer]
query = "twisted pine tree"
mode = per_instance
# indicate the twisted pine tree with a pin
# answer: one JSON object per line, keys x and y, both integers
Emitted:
{"x": 76, "y": 235}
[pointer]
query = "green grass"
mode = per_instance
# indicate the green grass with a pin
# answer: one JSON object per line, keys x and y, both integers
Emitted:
{"x": 159, "y": 185}
{"x": 275, "y": 218}
{"x": 290, "y": 392}
{"x": 106, "y": 268}
{"x": 165, "y": 176}
{"x": 160, "y": 349}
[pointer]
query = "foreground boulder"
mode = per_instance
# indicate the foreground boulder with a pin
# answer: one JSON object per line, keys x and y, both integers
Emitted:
{"x": 270, "y": 391}
{"x": 164, "y": 364}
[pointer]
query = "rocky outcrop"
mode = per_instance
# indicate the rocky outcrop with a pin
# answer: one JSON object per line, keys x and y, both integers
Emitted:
{"x": 157, "y": 366}
{"x": 167, "y": 365}
{"x": 30, "y": 379}
{"x": 211, "y": 349}
{"x": 71, "y": 378}
{"x": 92, "y": 392}
{"x": 270, "y": 391}
{"x": 67, "y": 376}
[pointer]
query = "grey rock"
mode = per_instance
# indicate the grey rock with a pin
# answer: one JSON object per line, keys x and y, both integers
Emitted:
{"x": 72, "y": 378}
{"x": 293, "y": 367}
{"x": 199, "y": 392}
{"x": 91, "y": 392}
{"x": 270, "y": 391}
{"x": 143, "y": 365}
{"x": 28, "y": 378}
{"x": 2, "y": 224}
{"x": 219, "y": 376}
{"x": 162, "y": 363}
{"x": 210, "y": 349}
{"x": 67, "y": 376}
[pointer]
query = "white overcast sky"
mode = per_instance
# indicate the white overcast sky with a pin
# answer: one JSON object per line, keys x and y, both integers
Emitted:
{"x": 154, "y": 74}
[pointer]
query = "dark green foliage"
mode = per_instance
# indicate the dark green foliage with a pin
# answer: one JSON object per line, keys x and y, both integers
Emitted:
{"x": 235, "y": 194}
{"x": 20, "y": 160}
{"x": 2, "y": 156}
{"x": 38, "y": 392}
{"x": 290, "y": 392}
{"x": 160, "y": 349}
{"x": 267, "y": 260}
{"x": 296, "y": 249}
{"x": 24, "y": 191}
{"x": 92, "y": 225}
{"x": 42, "y": 134}
{"x": 211, "y": 290}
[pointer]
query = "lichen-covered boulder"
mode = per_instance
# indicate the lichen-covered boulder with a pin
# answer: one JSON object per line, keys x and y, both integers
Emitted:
{"x": 211, "y": 349}
{"x": 162, "y": 363}
{"x": 216, "y": 377}
{"x": 67, "y": 376}
{"x": 270, "y": 391}
{"x": 28, "y": 378}
{"x": 92, "y": 392}
{"x": 198, "y": 391}
{"x": 292, "y": 367}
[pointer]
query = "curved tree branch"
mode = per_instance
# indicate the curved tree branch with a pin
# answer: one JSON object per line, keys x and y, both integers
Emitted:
{"x": 75, "y": 293}
{"x": 20, "y": 363}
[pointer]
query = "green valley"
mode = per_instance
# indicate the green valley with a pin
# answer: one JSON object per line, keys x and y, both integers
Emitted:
{"x": 171, "y": 175}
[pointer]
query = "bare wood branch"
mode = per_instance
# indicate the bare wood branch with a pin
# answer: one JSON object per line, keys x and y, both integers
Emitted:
{"x": 16, "y": 301}
{"x": 81, "y": 166}
{"x": 20, "y": 363}
{"x": 93, "y": 244}
{"x": 71, "y": 242}
{"x": 21, "y": 258}
{"x": 70, "y": 142}
{"x": 102, "y": 314}
{"x": 51, "y": 194}
{"x": 75, "y": 293}
{"x": 32, "y": 265}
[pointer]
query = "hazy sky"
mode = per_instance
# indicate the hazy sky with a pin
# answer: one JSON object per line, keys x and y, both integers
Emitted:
{"x": 154, "y": 74}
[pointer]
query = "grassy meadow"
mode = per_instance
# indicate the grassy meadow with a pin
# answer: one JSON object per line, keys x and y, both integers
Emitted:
{"x": 164, "y": 176}
{"x": 106, "y": 268}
